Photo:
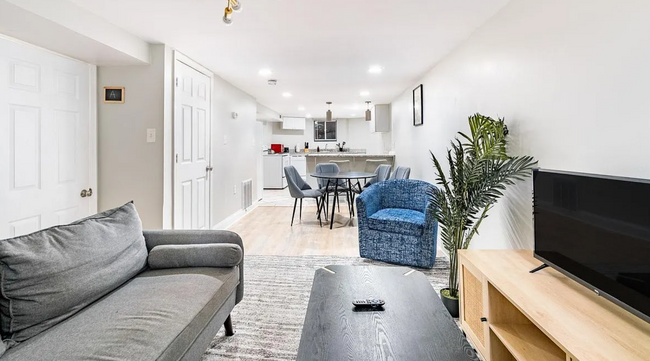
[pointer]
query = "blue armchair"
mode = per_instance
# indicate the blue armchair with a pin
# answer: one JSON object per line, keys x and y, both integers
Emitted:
{"x": 395, "y": 223}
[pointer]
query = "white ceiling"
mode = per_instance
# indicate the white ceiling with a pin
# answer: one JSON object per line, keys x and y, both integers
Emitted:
{"x": 319, "y": 50}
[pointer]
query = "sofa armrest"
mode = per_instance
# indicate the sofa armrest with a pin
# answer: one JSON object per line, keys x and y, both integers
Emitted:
{"x": 179, "y": 237}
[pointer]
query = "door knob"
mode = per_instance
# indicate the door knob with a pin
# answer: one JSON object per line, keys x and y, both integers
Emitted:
{"x": 208, "y": 169}
{"x": 86, "y": 193}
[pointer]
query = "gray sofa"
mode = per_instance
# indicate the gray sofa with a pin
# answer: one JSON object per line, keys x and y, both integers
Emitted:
{"x": 103, "y": 289}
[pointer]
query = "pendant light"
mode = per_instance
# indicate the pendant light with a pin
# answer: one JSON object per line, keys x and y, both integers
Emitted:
{"x": 233, "y": 5}
{"x": 328, "y": 115}
{"x": 368, "y": 112}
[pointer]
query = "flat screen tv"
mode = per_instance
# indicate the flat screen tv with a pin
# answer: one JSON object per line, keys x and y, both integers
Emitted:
{"x": 596, "y": 230}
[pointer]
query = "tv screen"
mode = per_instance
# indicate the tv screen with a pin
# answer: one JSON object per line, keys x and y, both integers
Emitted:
{"x": 596, "y": 229}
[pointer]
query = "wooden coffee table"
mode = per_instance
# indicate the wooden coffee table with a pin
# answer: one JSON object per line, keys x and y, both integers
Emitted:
{"x": 414, "y": 324}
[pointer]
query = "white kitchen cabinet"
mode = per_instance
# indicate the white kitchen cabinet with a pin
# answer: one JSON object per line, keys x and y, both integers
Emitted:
{"x": 300, "y": 163}
{"x": 380, "y": 119}
{"x": 290, "y": 123}
{"x": 274, "y": 177}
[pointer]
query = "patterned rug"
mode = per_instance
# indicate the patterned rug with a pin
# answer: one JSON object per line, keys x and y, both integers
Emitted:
{"x": 268, "y": 322}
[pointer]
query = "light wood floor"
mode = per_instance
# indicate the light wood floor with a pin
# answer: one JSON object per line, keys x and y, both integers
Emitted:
{"x": 268, "y": 231}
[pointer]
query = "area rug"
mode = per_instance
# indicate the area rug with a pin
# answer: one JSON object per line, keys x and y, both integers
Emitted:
{"x": 268, "y": 322}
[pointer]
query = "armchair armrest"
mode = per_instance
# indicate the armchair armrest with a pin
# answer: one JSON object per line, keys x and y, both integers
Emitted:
{"x": 368, "y": 202}
{"x": 155, "y": 238}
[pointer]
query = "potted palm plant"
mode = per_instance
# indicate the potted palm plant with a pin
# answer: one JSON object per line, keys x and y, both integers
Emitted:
{"x": 479, "y": 171}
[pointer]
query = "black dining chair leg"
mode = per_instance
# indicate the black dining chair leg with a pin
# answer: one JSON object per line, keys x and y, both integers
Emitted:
{"x": 294, "y": 211}
{"x": 320, "y": 221}
{"x": 334, "y": 199}
{"x": 351, "y": 199}
{"x": 301, "y": 210}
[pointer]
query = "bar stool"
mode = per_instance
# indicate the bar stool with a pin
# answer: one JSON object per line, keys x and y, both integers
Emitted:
{"x": 372, "y": 164}
{"x": 344, "y": 165}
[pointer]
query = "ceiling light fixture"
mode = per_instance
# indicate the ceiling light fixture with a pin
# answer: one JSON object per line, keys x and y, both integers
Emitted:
{"x": 301, "y": 108}
{"x": 265, "y": 72}
{"x": 368, "y": 112}
{"x": 375, "y": 69}
{"x": 307, "y": 115}
{"x": 286, "y": 95}
{"x": 328, "y": 115}
{"x": 364, "y": 93}
{"x": 233, "y": 5}
{"x": 353, "y": 115}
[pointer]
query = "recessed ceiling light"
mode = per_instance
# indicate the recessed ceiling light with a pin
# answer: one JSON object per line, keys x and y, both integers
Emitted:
{"x": 375, "y": 69}
{"x": 265, "y": 72}
{"x": 307, "y": 115}
{"x": 286, "y": 95}
{"x": 364, "y": 93}
{"x": 301, "y": 108}
{"x": 353, "y": 115}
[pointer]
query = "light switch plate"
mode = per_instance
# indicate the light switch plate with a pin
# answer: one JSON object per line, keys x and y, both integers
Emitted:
{"x": 225, "y": 140}
{"x": 151, "y": 135}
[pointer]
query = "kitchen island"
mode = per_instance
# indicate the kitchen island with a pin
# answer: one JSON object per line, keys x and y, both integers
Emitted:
{"x": 357, "y": 161}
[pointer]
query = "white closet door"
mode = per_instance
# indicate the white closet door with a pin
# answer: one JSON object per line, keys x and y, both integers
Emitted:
{"x": 44, "y": 139}
{"x": 192, "y": 139}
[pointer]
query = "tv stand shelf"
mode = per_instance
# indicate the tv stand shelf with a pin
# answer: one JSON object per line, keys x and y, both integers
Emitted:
{"x": 511, "y": 314}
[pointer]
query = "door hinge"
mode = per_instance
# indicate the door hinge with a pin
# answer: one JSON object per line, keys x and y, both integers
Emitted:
{"x": 176, "y": 158}
{"x": 176, "y": 81}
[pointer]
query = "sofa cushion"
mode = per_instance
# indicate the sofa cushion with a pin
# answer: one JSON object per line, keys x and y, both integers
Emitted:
{"x": 50, "y": 275}
{"x": 155, "y": 316}
{"x": 195, "y": 255}
{"x": 397, "y": 220}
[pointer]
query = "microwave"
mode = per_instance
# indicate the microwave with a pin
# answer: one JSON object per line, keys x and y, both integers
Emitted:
{"x": 278, "y": 148}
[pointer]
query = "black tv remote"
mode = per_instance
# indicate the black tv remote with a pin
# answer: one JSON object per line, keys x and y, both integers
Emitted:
{"x": 369, "y": 303}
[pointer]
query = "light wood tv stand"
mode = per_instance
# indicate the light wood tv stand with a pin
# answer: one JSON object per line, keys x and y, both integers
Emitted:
{"x": 511, "y": 314}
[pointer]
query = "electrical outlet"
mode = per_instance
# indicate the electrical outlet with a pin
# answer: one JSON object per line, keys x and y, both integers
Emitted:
{"x": 151, "y": 135}
{"x": 234, "y": 189}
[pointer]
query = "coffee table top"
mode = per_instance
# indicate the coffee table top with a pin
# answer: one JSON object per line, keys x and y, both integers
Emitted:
{"x": 413, "y": 326}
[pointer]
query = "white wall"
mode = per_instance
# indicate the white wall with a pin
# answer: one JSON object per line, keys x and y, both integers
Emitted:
{"x": 66, "y": 28}
{"x": 570, "y": 77}
{"x": 129, "y": 167}
{"x": 235, "y": 161}
{"x": 355, "y": 132}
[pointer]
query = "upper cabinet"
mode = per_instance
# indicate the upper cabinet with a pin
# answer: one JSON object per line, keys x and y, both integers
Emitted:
{"x": 380, "y": 120}
{"x": 293, "y": 123}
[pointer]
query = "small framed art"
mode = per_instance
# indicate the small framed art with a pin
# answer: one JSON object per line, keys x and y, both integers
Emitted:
{"x": 418, "y": 108}
{"x": 114, "y": 94}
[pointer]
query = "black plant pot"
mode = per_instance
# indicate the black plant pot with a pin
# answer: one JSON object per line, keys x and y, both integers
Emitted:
{"x": 450, "y": 304}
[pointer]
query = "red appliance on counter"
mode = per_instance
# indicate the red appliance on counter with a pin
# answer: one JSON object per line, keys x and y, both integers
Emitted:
{"x": 278, "y": 148}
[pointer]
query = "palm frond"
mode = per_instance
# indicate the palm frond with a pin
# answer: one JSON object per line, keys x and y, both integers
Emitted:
{"x": 480, "y": 171}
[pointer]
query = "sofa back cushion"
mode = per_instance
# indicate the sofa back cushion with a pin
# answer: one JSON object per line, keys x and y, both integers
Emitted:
{"x": 50, "y": 275}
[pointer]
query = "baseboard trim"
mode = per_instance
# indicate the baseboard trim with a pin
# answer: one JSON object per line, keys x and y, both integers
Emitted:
{"x": 235, "y": 217}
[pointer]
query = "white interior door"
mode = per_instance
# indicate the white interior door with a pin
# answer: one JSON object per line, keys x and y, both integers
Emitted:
{"x": 192, "y": 118}
{"x": 45, "y": 143}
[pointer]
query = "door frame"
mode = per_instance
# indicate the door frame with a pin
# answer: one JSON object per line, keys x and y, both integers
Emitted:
{"x": 180, "y": 57}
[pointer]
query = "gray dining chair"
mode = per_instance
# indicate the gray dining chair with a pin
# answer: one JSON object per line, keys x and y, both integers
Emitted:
{"x": 299, "y": 189}
{"x": 401, "y": 173}
{"x": 342, "y": 184}
{"x": 382, "y": 173}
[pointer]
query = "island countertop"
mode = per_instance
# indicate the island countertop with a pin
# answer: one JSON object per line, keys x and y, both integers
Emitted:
{"x": 347, "y": 155}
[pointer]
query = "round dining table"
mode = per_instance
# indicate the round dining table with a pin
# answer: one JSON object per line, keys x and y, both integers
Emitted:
{"x": 334, "y": 178}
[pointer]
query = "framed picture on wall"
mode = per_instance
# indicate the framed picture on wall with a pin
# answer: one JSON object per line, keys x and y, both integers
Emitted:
{"x": 418, "y": 108}
{"x": 114, "y": 94}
